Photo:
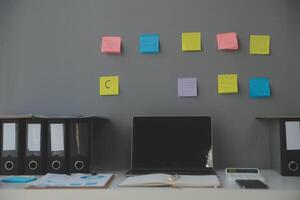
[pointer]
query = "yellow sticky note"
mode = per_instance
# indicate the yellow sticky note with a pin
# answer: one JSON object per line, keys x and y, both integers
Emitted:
{"x": 191, "y": 41}
{"x": 227, "y": 83}
{"x": 108, "y": 85}
{"x": 260, "y": 44}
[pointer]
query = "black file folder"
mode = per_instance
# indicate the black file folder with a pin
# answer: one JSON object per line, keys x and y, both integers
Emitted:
{"x": 81, "y": 135}
{"x": 35, "y": 146}
{"x": 12, "y": 147}
{"x": 57, "y": 148}
{"x": 79, "y": 145}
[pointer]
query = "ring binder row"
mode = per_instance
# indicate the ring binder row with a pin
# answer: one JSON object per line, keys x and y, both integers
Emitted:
{"x": 37, "y": 145}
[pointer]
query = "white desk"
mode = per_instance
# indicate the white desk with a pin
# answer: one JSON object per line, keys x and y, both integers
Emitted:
{"x": 281, "y": 188}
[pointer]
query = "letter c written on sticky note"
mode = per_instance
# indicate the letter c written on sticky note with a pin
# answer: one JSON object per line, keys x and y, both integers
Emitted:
{"x": 108, "y": 85}
{"x": 227, "y": 84}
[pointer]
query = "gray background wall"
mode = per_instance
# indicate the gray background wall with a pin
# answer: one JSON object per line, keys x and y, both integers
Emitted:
{"x": 50, "y": 63}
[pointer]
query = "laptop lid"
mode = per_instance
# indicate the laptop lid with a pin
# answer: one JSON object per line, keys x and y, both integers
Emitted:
{"x": 172, "y": 143}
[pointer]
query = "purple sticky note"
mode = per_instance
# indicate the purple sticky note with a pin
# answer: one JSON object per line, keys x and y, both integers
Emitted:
{"x": 187, "y": 87}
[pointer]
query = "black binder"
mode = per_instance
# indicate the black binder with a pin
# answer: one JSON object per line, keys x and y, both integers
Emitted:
{"x": 12, "y": 147}
{"x": 79, "y": 146}
{"x": 82, "y": 134}
{"x": 35, "y": 146}
{"x": 57, "y": 146}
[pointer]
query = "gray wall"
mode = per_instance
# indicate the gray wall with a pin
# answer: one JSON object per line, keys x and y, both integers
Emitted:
{"x": 50, "y": 63}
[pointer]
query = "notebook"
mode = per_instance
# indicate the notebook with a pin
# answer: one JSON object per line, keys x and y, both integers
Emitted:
{"x": 155, "y": 180}
{"x": 172, "y": 145}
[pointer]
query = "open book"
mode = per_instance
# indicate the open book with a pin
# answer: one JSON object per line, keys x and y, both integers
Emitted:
{"x": 171, "y": 180}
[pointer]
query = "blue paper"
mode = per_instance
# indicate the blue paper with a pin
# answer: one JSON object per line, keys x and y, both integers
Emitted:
{"x": 18, "y": 179}
{"x": 149, "y": 43}
{"x": 259, "y": 87}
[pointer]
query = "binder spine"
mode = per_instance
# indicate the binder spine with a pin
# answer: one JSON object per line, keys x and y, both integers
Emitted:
{"x": 35, "y": 159}
{"x": 11, "y": 162}
{"x": 56, "y": 161}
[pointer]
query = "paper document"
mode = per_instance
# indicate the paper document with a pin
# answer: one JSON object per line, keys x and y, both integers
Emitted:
{"x": 292, "y": 130}
{"x": 57, "y": 137}
{"x": 34, "y": 137}
{"x": 171, "y": 180}
{"x": 72, "y": 181}
{"x": 9, "y": 136}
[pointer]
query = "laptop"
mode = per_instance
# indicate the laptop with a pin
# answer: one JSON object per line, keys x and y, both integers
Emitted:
{"x": 173, "y": 145}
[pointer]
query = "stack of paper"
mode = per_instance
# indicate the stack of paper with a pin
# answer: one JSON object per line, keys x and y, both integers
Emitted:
{"x": 72, "y": 181}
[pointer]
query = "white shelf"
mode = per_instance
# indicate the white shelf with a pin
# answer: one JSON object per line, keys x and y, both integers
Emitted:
{"x": 280, "y": 188}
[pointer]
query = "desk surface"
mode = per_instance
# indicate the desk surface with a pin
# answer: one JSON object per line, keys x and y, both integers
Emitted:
{"x": 280, "y": 188}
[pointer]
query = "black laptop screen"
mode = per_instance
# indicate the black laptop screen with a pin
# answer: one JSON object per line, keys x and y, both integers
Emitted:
{"x": 171, "y": 142}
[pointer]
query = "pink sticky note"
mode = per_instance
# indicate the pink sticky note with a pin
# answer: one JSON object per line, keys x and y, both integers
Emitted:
{"x": 227, "y": 41}
{"x": 111, "y": 44}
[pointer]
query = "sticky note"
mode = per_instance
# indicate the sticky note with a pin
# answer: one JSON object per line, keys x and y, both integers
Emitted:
{"x": 260, "y": 44}
{"x": 259, "y": 87}
{"x": 187, "y": 87}
{"x": 111, "y": 44}
{"x": 108, "y": 85}
{"x": 227, "y": 83}
{"x": 191, "y": 41}
{"x": 227, "y": 41}
{"x": 149, "y": 43}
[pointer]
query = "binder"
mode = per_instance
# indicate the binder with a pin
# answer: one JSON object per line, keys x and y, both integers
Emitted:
{"x": 12, "y": 146}
{"x": 79, "y": 146}
{"x": 82, "y": 134}
{"x": 35, "y": 147}
{"x": 57, "y": 143}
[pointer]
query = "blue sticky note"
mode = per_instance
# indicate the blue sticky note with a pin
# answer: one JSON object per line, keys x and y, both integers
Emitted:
{"x": 259, "y": 87}
{"x": 18, "y": 179}
{"x": 149, "y": 43}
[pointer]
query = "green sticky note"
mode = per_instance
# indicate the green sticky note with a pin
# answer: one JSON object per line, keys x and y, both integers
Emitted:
{"x": 260, "y": 44}
{"x": 191, "y": 41}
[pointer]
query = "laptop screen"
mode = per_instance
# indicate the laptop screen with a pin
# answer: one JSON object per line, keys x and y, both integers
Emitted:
{"x": 172, "y": 143}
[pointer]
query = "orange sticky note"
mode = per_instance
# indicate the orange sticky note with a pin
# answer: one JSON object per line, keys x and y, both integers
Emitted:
{"x": 111, "y": 44}
{"x": 227, "y": 41}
